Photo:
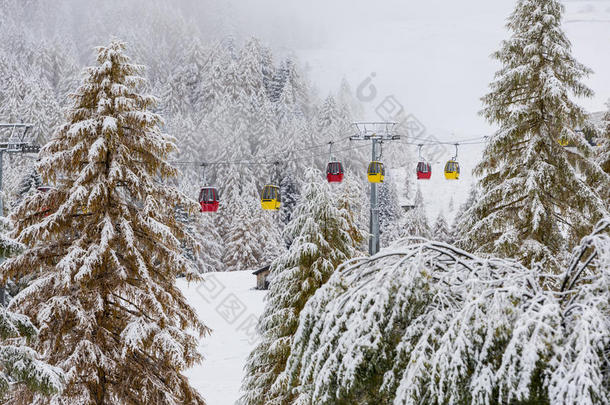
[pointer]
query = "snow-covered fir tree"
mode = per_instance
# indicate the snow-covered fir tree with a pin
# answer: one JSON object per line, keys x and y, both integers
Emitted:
{"x": 429, "y": 323}
{"x": 458, "y": 231}
{"x": 321, "y": 242}
{"x": 289, "y": 190}
{"x": 253, "y": 236}
{"x": 534, "y": 204}
{"x": 346, "y": 96}
{"x": 29, "y": 184}
{"x": 407, "y": 186}
{"x": 416, "y": 221}
{"x": 350, "y": 200}
{"x": 19, "y": 364}
{"x": 603, "y": 156}
{"x": 440, "y": 229}
{"x": 390, "y": 212}
{"x": 206, "y": 253}
{"x": 104, "y": 297}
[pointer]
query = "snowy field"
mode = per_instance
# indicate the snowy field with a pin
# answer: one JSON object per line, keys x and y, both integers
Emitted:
{"x": 230, "y": 306}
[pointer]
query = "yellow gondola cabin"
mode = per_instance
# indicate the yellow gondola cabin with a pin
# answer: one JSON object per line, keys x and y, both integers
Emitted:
{"x": 376, "y": 172}
{"x": 270, "y": 199}
{"x": 452, "y": 170}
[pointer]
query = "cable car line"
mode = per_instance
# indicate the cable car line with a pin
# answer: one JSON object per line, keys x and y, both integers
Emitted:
{"x": 258, "y": 163}
{"x": 270, "y": 195}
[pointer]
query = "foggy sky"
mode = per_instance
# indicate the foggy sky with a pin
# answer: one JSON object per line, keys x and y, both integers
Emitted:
{"x": 432, "y": 55}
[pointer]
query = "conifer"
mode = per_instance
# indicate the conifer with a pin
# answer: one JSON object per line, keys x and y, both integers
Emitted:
{"x": 104, "y": 298}
{"x": 20, "y": 365}
{"x": 416, "y": 221}
{"x": 535, "y": 205}
{"x": 321, "y": 242}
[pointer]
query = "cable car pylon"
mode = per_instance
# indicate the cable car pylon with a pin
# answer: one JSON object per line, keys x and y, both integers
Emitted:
{"x": 376, "y": 132}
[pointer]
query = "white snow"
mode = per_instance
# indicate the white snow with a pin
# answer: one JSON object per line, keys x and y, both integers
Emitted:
{"x": 227, "y": 303}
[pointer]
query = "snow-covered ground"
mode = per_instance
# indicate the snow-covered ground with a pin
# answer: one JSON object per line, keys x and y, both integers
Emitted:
{"x": 230, "y": 306}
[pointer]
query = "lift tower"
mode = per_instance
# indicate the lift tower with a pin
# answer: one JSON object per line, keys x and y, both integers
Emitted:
{"x": 377, "y": 133}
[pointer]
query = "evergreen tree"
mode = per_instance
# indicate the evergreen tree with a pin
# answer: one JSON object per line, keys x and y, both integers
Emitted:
{"x": 320, "y": 243}
{"x": 253, "y": 237}
{"x": 534, "y": 203}
{"x": 440, "y": 230}
{"x": 416, "y": 221}
{"x": 289, "y": 190}
{"x": 604, "y": 143}
{"x": 20, "y": 365}
{"x": 345, "y": 96}
{"x": 29, "y": 184}
{"x": 204, "y": 250}
{"x": 407, "y": 193}
{"x": 390, "y": 213}
{"x": 350, "y": 200}
{"x": 458, "y": 230}
{"x": 104, "y": 297}
{"x": 427, "y": 323}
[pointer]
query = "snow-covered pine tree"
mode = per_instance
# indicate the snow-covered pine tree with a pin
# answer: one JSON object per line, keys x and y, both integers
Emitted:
{"x": 20, "y": 365}
{"x": 206, "y": 254}
{"x": 603, "y": 156}
{"x": 29, "y": 184}
{"x": 534, "y": 205}
{"x": 104, "y": 297}
{"x": 213, "y": 88}
{"x": 416, "y": 221}
{"x": 346, "y": 96}
{"x": 289, "y": 190}
{"x": 458, "y": 232}
{"x": 288, "y": 73}
{"x": 390, "y": 212}
{"x": 440, "y": 229}
{"x": 429, "y": 323}
{"x": 253, "y": 236}
{"x": 350, "y": 200}
{"x": 320, "y": 243}
{"x": 407, "y": 186}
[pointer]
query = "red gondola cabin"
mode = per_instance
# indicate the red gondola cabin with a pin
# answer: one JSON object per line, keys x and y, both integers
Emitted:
{"x": 44, "y": 210}
{"x": 334, "y": 172}
{"x": 208, "y": 198}
{"x": 424, "y": 171}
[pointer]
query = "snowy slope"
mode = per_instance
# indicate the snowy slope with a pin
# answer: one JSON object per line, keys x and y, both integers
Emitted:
{"x": 227, "y": 303}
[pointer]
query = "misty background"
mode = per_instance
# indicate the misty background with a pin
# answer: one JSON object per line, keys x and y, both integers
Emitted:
{"x": 432, "y": 55}
{"x": 431, "y": 58}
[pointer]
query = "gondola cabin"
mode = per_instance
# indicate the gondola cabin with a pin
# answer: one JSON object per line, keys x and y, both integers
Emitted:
{"x": 208, "y": 199}
{"x": 424, "y": 171}
{"x": 45, "y": 210}
{"x": 334, "y": 172}
{"x": 270, "y": 198}
{"x": 376, "y": 172}
{"x": 452, "y": 170}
